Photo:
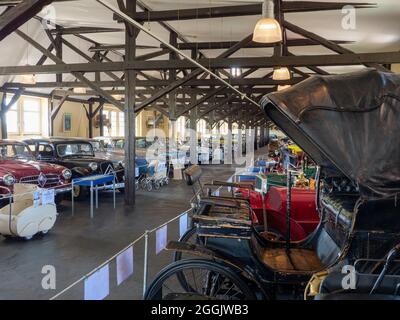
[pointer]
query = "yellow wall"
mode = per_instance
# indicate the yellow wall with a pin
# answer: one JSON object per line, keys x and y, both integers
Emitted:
{"x": 396, "y": 68}
{"x": 80, "y": 122}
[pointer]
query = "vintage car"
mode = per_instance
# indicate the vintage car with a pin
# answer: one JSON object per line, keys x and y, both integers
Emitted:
{"x": 115, "y": 146}
{"x": 17, "y": 165}
{"x": 77, "y": 155}
{"x": 334, "y": 119}
{"x": 99, "y": 149}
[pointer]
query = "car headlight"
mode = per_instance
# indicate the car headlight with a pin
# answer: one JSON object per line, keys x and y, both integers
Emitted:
{"x": 93, "y": 166}
{"x": 67, "y": 174}
{"x": 9, "y": 179}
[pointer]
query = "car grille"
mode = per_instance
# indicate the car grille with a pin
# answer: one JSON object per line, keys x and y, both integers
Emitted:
{"x": 51, "y": 180}
{"x": 106, "y": 167}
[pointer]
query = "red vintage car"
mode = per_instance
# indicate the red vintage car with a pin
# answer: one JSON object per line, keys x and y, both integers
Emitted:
{"x": 17, "y": 166}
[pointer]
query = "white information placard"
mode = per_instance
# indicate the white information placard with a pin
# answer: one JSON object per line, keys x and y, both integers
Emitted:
{"x": 36, "y": 198}
{"x": 97, "y": 286}
{"x": 48, "y": 196}
{"x": 124, "y": 265}
{"x": 161, "y": 239}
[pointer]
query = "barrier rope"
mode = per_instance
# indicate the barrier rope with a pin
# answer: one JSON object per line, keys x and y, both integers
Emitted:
{"x": 146, "y": 233}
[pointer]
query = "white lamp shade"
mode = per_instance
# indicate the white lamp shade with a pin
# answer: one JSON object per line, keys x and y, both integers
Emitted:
{"x": 79, "y": 90}
{"x": 281, "y": 74}
{"x": 267, "y": 30}
{"x": 28, "y": 79}
{"x": 117, "y": 96}
{"x": 283, "y": 87}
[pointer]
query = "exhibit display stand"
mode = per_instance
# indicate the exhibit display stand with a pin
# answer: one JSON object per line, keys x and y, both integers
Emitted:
{"x": 95, "y": 183}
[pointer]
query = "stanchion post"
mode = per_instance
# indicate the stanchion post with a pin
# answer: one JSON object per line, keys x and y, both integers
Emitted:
{"x": 97, "y": 196}
{"x": 72, "y": 197}
{"x": 114, "y": 191}
{"x": 9, "y": 218}
{"x": 91, "y": 199}
{"x": 146, "y": 260}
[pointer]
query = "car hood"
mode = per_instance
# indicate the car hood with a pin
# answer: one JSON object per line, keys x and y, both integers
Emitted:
{"x": 347, "y": 123}
{"x": 111, "y": 156}
{"x": 81, "y": 161}
{"x": 23, "y": 168}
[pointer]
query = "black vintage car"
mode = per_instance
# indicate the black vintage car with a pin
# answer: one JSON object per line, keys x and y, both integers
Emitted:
{"x": 76, "y": 155}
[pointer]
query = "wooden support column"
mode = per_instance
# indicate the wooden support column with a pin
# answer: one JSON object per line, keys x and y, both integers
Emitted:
{"x": 101, "y": 124}
{"x": 90, "y": 119}
{"x": 193, "y": 123}
{"x": 228, "y": 143}
{"x": 59, "y": 52}
{"x": 129, "y": 110}
{"x": 173, "y": 38}
{"x": 262, "y": 136}
{"x": 3, "y": 117}
{"x": 255, "y": 137}
{"x": 193, "y": 132}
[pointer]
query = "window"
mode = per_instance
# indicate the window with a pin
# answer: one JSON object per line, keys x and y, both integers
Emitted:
{"x": 117, "y": 123}
{"x": 74, "y": 149}
{"x": 224, "y": 128}
{"x": 24, "y": 117}
{"x": 121, "y": 124}
{"x": 181, "y": 127}
{"x": 31, "y": 116}
{"x": 12, "y": 117}
{"x": 45, "y": 151}
{"x": 12, "y": 151}
{"x": 202, "y": 126}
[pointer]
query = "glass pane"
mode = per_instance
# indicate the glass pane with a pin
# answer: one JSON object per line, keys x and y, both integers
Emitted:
{"x": 121, "y": 123}
{"x": 8, "y": 100}
{"x": 113, "y": 119}
{"x": 12, "y": 121}
{"x": 31, "y": 122}
{"x": 72, "y": 149}
{"x": 31, "y": 105}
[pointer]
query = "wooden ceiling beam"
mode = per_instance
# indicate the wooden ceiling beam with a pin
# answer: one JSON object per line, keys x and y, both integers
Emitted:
{"x": 240, "y": 10}
{"x": 328, "y": 44}
{"x": 16, "y": 16}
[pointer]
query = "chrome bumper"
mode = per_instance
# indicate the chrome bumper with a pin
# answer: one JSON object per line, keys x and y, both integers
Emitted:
{"x": 62, "y": 190}
{"x": 110, "y": 186}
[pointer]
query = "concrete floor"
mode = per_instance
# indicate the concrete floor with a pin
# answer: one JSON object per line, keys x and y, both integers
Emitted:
{"x": 78, "y": 244}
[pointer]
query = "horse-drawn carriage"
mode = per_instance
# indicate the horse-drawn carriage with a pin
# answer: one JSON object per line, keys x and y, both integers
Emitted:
{"x": 349, "y": 125}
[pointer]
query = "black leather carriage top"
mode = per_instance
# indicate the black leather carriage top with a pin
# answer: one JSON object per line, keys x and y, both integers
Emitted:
{"x": 348, "y": 124}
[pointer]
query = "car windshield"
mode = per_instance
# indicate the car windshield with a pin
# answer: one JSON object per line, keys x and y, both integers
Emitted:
{"x": 15, "y": 151}
{"x": 74, "y": 149}
{"x": 97, "y": 146}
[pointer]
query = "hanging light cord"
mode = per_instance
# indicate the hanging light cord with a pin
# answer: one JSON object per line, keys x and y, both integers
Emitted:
{"x": 171, "y": 47}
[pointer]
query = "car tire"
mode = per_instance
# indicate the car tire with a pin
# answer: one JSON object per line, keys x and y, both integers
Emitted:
{"x": 80, "y": 193}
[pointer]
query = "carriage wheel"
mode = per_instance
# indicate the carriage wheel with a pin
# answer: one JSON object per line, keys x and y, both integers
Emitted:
{"x": 190, "y": 237}
{"x": 143, "y": 184}
{"x": 205, "y": 279}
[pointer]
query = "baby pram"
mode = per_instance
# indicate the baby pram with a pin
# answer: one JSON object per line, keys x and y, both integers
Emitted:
{"x": 156, "y": 176}
{"x": 141, "y": 165}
